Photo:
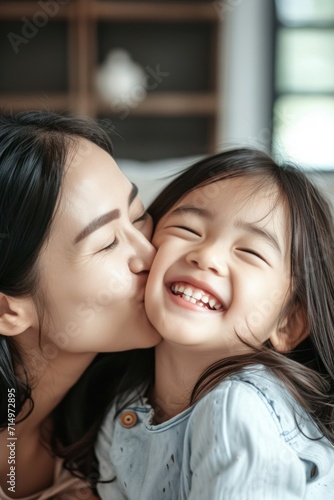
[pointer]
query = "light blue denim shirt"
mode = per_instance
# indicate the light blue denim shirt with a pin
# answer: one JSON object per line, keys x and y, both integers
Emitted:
{"x": 240, "y": 442}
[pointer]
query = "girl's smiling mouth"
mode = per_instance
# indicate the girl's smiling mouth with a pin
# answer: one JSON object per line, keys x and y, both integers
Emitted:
{"x": 195, "y": 295}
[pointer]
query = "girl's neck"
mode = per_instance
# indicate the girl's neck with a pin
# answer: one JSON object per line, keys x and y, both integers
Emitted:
{"x": 177, "y": 370}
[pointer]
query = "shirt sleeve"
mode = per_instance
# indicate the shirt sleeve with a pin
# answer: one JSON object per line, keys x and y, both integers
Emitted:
{"x": 236, "y": 450}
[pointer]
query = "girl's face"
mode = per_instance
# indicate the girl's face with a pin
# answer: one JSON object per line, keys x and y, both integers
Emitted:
{"x": 94, "y": 266}
{"x": 222, "y": 267}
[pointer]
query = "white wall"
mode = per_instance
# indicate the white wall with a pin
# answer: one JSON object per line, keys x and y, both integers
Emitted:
{"x": 245, "y": 72}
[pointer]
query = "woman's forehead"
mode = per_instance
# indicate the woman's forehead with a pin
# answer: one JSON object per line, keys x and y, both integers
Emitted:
{"x": 93, "y": 184}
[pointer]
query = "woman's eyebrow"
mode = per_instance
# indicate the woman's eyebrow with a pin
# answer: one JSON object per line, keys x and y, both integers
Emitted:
{"x": 95, "y": 224}
{"x": 104, "y": 219}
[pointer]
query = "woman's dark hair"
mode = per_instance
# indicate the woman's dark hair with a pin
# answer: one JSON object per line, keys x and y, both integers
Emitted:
{"x": 34, "y": 152}
{"x": 308, "y": 371}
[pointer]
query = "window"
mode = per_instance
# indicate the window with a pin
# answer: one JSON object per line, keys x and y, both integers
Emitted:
{"x": 303, "y": 114}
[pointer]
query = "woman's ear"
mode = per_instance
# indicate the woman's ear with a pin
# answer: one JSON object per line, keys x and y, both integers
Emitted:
{"x": 292, "y": 332}
{"x": 17, "y": 314}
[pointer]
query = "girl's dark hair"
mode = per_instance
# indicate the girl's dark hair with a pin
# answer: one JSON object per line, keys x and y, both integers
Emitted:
{"x": 308, "y": 371}
{"x": 34, "y": 150}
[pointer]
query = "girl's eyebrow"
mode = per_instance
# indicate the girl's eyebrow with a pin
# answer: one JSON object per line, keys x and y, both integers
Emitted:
{"x": 192, "y": 209}
{"x": 252, "y": 228}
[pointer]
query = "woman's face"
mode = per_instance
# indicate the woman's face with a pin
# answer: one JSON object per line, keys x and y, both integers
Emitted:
{"x": 93, "y": 268}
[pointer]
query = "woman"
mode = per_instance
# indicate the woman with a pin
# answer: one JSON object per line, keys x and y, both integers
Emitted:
{"x": 74, "y": 257}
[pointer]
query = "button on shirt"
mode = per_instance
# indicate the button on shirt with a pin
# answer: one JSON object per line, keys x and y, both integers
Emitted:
{"x": 239, "y": 442}
{"x": 131, "y": 454}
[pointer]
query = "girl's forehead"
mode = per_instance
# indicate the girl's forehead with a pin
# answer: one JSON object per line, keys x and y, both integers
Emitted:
{"x": 252, "y": 199}
{"x": 245, "y": 190}
{"x": 236, "y": 207}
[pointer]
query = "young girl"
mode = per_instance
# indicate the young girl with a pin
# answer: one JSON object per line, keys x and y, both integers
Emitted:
{"x": 242, "y": 292}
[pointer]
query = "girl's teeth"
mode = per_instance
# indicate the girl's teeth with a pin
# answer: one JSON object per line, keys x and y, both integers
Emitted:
{"x": 195, "y": 296}
{"x": 212, "y": 303}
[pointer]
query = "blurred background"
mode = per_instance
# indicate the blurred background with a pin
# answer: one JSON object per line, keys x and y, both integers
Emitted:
{"x": 173, "y": 80}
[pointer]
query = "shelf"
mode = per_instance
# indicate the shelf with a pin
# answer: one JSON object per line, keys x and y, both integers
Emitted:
{"x": 157, "y": 104}
{"x": 17, "y": 10}
{"x": 50, "y": 61}
{"x": 168, "y": 104}
{"x": 148, "y": 11}
{"x": 57, "y": 102}
{"x": 182, "y": 52}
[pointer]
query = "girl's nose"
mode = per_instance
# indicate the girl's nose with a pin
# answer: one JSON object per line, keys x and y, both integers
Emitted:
{"x": 209, "y": 259}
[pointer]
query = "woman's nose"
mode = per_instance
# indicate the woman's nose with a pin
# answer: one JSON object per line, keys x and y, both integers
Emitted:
{"x": 209, "y": 259}
{"x": 143, "y": 254}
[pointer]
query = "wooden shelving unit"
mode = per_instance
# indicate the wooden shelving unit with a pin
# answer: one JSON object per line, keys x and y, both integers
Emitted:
{"x": 167, "y": 11}
{"x": 69, "y": 44}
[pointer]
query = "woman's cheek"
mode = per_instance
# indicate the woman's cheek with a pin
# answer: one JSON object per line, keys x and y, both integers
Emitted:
{"x": 119, "y": 283}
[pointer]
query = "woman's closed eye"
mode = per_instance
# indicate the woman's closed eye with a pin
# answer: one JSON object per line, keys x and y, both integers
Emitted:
{"x": 111, "y": 245}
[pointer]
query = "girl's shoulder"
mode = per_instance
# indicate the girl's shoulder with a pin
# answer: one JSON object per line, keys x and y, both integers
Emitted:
{"x": 249, "y": 434}
{"x": 259, "y": 394}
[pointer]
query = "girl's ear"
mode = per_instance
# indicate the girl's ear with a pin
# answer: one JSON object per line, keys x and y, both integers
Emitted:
{"x": 17, "y": 314}
{"x": 292, "y": 332}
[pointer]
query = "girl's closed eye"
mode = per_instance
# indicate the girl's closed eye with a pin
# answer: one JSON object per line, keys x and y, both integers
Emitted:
{"x": 142, "y": 221}
{"x": 253, "y": 252}
{"x": 186, "y": 228}
{"x": 142, "y": 218}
